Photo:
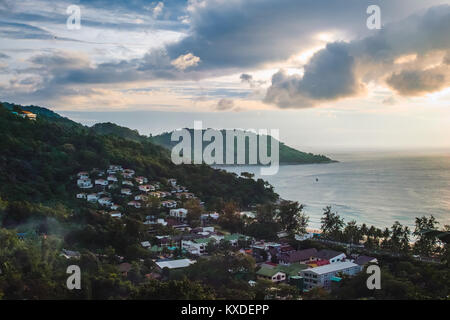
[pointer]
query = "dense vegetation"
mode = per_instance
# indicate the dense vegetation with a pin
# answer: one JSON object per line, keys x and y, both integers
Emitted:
{"x": 287, "y": 154}
{"x": 39, "y": 159}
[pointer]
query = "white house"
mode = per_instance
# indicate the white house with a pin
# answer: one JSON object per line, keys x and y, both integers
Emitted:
{"x": 93, "y": 197}
{"x": 172, "y": 182}
{"x": 303, "y": 237}
{"x": 146, "y": 244}
{"x": 141, "y": 197}
{"x": 331, "y": 255}
{"x": 169, "y": 204}
{"x": 174, "y": 264}
{"x": 141, "y": 180}
{"x": 135, "y": 204}
{"x": 187, "y": 195}
{"x": 115, "y": 214}
{"x": 114, "y": 168}
{"x": 101, "y": 182}
{"x": 83, "y": 175}
{"x": 127, "y": 183}
{"x": 323, "y": 276}
{"x": 114, "y": 206}
{"x": 105, "y": 201}
{"x": 155, "y": 194}
{"x": 112, "y": 178}
{"x": 126, "y": 192}
{"x": 180, "y": 213}
{"x": 147, "y": 188}
{"x": 128, "y": 173}
{"x": 84, "y": 183}
{"x": 193, "y": 247}
{"x": 81, "y": 196}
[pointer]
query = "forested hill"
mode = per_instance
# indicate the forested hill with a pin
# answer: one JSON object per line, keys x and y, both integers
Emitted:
{"x": 287, "y": 154}
{"x": 40, "y": 158}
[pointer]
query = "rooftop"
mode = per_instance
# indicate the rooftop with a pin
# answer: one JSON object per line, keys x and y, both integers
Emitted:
{"x": 174, "y": 264}
{"x": 333, "y": 267}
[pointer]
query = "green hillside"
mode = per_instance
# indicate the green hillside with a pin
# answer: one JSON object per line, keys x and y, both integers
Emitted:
{"x": 287, "y": 154}
{"x": 39, "y": 159}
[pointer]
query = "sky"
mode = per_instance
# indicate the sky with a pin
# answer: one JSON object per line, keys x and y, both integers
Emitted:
{"x": 312, "y": 69}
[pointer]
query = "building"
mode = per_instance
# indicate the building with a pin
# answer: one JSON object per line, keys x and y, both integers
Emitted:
{"x": 105, "y": 201}
{"x": 331, "y": 255}
{"x": 270, "y": 273}
{"x": 302, "y": 256}
{"x": 146, "y": 244}
{"x": 124, "y": 268}
{"x": 114, "y": 168}
{"x": 363, "y": 260}
{"x": 174, "y": 264}
{"x": 127, "y": 183}
{"x": 84, "y": 183}
{"x": 27, "y": 115}
{"x": 141, "y": 197}
{"x": 180, "y": 213}
{"x": 116, "y": 214}
{"x": 195, "y": 248}
{"x": 323, "y": 276}
{"x": 126, "y": 192}
{"x": 101, "y": 182}
{"x": 141, "y": 180}
{"x": 69, "y": 254}
{"x": 93, "y": 197}
{"x": 81, "y": 196}
{"x": 83, "y": 175}
{"x": 147, "y": 188}
{"x": 172, "y": 182}
{"x": 169, "y": 204}
{"x": 112, "y": 178}
{"x": 128, "y": 173}
{"x": 135, "y": 204}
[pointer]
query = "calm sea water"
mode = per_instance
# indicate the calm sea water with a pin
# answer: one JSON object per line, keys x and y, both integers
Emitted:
{"x": 375, "y": 189}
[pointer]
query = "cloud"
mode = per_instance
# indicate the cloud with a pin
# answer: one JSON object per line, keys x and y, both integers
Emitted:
{"x": 419, "y": 82}
{"x": 4, "y": 56}
{"x": 185, "y": 61}
{"x": 329, "y": 75}
{"x": 246, "y": 77}
{"x": 239, "y": 34}
{"x": 157, "y": 10}
{"x": 344, "y": 69}
{"x": 225, "y": 104}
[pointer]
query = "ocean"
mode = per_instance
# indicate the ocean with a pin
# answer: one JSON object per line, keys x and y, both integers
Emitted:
{"x": 376, "y": 189}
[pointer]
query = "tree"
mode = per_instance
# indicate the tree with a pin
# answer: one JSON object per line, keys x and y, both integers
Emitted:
{"x": 230, "y": 218}
{"x": 265, "y": 213}
{"x": 426, "y": 243}
{"x": 291, "y": 217}
{"x": 352, "y": 233}
{"x": 399, "y": 241}
{"x": 332, "y": 224}
{"x": 195, "y": 211}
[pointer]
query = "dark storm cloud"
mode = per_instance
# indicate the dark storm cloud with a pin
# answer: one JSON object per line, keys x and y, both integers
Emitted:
{"x": 342, "y": 69}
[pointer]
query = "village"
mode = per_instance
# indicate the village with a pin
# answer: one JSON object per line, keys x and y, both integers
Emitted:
{"x": 117, "y": 190}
